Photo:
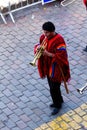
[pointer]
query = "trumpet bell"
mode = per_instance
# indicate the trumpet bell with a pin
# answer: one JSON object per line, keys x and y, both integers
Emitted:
{"x": 81, "y": 90}
{"x": 78, "y": 90}
{"x": 33, "y": 64}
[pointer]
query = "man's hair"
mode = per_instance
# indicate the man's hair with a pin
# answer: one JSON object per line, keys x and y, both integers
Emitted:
{"x": 48, "y": 26}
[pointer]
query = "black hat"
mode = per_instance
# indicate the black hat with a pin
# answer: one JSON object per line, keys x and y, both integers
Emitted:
{"x": 48, "y": 26}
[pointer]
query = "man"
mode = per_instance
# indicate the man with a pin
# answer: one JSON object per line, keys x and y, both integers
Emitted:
{"x": 52, "y": 61}
{"x": 85, "y": 3}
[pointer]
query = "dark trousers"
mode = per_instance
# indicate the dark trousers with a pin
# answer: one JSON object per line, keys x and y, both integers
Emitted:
{"x": 55, "y": 92}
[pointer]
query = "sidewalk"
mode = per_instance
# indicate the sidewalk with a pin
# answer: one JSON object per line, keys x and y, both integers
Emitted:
{"x": 24, "y": 97}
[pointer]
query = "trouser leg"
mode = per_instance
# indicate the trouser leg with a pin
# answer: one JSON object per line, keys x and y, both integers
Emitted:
{"x": 55, "y": 93}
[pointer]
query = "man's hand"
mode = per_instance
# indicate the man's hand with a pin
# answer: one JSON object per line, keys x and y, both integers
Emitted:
{"x": 46, "y": 53}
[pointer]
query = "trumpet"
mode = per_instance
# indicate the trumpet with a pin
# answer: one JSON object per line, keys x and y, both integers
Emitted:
{"x": 81, "y": 90}
{"x": 39, "y": 52}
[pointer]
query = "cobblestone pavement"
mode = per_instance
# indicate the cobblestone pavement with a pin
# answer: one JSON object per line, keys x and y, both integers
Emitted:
{"x": 24, "y": 97}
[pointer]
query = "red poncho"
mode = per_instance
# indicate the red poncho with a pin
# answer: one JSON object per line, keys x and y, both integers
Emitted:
{"x": 48, "y": 66}
{"x": 85, "y": 3}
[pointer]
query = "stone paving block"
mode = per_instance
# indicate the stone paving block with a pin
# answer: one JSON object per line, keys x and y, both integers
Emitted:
{"x": 38, "y": 129}
{"x": 7, "y": 111}
{"x": 24, "y": 99}
{"x": 40, "y": 123}
{"x": 11, "y": 106}
{"x": 33, "y": 81}
{"x": 35, "y": 76}
{"x": 2, "y": 105}
{"x": 16, "y": 128}
{"x": 5, "y": 82}
{"x": 20, "y": 105}
{"x": 72, "y": 105}
{"x": 14, "y": 117}
{"x": 56, "y": 129}
{"x": 71, "y": 112}
{"x": 41, "y": 105}
{"x": 84, "y": 76}
{"x": 27, "y": 128}
{"x": 32, "y": 125}
{"x": 11, "y": 87}
{"x": 34, "y": 118}
{"x": 80, "y": 112}
{"x": 83, "y": 98}
{"x": 77, "y": 118}
{"x": 9, "y": 123}
{"x": 44, "y": 117}
{"x": 74, "y": 99}
{"x": 39, "y": 87}
{"x": 13, "y": 99}
{"x": 27, "y": 111}
{"x": 44, "y": 126}
{"x": 2, "y": 49}
{"x": 84, "y": 106}
{"x": 53, "y": 125}
{"x": 31, "y": 105}
{"x": 74, "y": 125}
{"x": 2, "y": 87}
{"x": 1, "y": 94}
{"x": 3, "y": 72}
{"x": 21, "y": 124}
{"x": 46, "y": 110}
{"x": 66, "y": 118}
{"x": 7, "y": 92}
{"x": 14, "y": 82}
{"x": 3, "y": 117}
{"x": 21, "y": 88}
{"x": 46, "y": 93}
{"x": 1, "y": 124}
{"x": 18, "y": 112}
{"x": 17, "y": 93}
{"x": 30, "y": 87}
{"x": 5, "y": 128}
{"x": 7, "y": 75}
{"x": 5, "y": 100}
{"x": 34, "y": 99}
{"x": 84, "y": 123}
{"x": 24, "y": 118}
{"x": 64, "y": 125}
{"x": 44, "y": 99}
{"x": 85, "y": 117}
{"x": 6, "y": 67}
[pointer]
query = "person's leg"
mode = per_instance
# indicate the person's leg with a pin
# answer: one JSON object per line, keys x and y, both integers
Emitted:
{"x": 56, "y": 95}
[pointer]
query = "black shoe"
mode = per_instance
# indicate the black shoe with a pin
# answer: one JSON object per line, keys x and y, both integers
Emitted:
{"x": 55, "y": 111}
{"x": 52, "y": 105}
{"x": 85, "y": 49}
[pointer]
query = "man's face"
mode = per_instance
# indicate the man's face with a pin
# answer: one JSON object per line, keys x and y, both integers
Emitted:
{"x": 48, "y": 34}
